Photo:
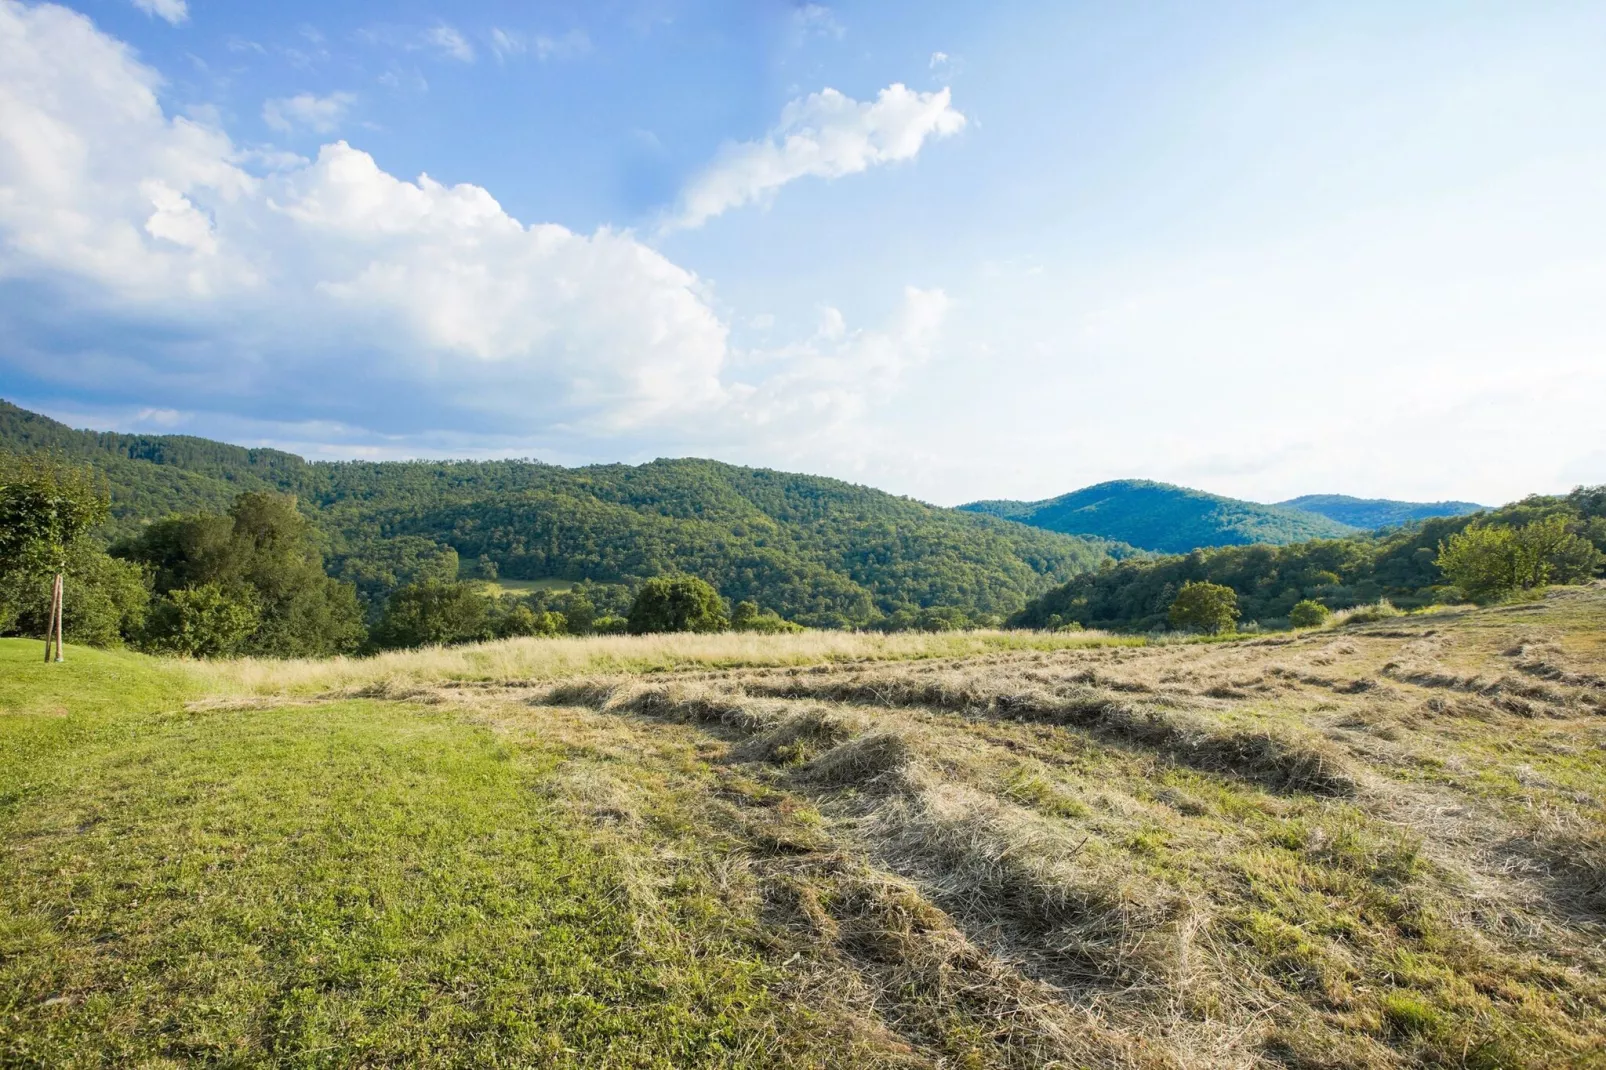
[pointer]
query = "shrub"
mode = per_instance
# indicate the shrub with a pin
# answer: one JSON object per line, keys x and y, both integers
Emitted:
{"x": 1382, "y": 609}
{"x": 1309, "y": 614}
{"x": 747, "y": 617}
{"x": 266, "y": 545}
{"x": 579, "y": 614}
{"x": 677, "y": 604}
{"x": 1206, "y": 607}
{"x": 433, "y": 612}
{"x": 1489, "y": 561}
{"x": 203, "y": 622}
{"x": 104, "y": 602}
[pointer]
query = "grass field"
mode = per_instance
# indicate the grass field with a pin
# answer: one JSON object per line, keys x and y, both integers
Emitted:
{"x": 501, "y": 587}
{"x": 1379, "y": 845}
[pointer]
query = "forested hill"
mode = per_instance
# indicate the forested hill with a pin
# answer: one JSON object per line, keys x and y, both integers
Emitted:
{"x": 1400, "y": 565}
{"x": 817, "y": 550}
{"x": 1165, "y": 518}
{"x": 1374, "y": 513}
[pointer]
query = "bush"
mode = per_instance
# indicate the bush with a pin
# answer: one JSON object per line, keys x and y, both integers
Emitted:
{"x": 266, "y": 545}
{"x": 104, "y": 602}
{"x": 677, "y": 604}
{"x": 1205, "y": 607}
{"x": 203, "y": 622}
{"x": 510, "y": 619}
{"x": 1309, "y": 614}
{"x": 747, "y": 617}
{"x": 432, "y": 612}
{"x": 1489, "y": 561}
{"x": 1382, "y": 609}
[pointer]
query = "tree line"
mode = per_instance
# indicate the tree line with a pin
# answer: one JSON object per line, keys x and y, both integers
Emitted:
{"x": 1483, "y": 557}
{"x": 253, "y": 581}
{"x": 818, "y": 551}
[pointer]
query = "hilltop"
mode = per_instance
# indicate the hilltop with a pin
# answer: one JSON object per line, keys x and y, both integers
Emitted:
{"x": 1165, "y": 518}
{"x": 819, "y": 551}
{"x": 1374, "y": 513}
{"x": 1373, "y": 846}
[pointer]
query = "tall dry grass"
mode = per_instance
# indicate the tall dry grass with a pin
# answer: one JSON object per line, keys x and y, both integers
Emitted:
{"x": 518, "y": 661}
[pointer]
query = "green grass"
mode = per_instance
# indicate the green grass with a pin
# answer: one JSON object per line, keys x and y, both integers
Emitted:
{"x": 519, "y": 587}
{"x": 356, "y": 883}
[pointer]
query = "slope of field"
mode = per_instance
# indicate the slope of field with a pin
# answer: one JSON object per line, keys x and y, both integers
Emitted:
{"x": 1380, "y": 845}
{"x": 817, "y": 550}
{"x": 1373, "y": 513}
{"x": 1165, "y": 518}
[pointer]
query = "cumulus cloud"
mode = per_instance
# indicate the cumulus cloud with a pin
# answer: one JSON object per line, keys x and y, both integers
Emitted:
{"x": 825, "y": 134}
{"x": 174, "y": 11}
{"x": 322, "y": 115}
{"x": 327, "y": 289}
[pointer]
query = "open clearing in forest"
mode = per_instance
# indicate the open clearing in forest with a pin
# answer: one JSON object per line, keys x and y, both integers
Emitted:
{"x": 1379, "y": 845}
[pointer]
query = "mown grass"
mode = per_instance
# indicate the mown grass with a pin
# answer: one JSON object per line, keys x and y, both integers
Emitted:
{"x": 343, "y": 884}
{"x": 1377, "y": 846}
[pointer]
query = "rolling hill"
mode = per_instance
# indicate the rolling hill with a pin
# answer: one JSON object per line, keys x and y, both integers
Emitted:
{"x": 1373, "y": 513}
{"x": 817, "y": 550}
{"x": 1165, "y": 518}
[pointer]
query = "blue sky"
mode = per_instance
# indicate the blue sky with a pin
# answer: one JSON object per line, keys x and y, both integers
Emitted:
{"x": 998, "y": 250}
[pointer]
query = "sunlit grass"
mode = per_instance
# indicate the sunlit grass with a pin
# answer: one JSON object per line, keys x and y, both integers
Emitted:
{"x": 527, "y": 660}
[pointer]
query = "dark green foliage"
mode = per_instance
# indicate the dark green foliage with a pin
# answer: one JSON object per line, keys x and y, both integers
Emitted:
{"x": 432, "y": 612}
{"x": 208, "y": 621}
{"x": 262, "y": 554}
{"x": 747, "y": 617}
{"x": 152, "y": 475}
{"x": 818, "y": 551}
{"x": 379, "y": 566}
{"x": 46, "y": 509}
{"x": 677, "y": 604}
{"x": 1270, "y": 580}
{"x": 1206, "y": 607}
{"x": 1372, "y": 513}
{"x": 1308, "y": 613}
{"x": 579, "y": 613}
{"x": 1165, "y": 518}
{"x": 104, "y": 600}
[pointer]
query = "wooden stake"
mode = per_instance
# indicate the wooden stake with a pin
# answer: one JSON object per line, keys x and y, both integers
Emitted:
{"x": 50, "y": 622}
{"x": 61, "y": 591}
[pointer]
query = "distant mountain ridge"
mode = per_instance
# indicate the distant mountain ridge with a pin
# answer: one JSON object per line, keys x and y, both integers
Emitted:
{"x": 816, "y": 550}
{"x": 1374, "y": 513}
{"x": 1164, "y": 517}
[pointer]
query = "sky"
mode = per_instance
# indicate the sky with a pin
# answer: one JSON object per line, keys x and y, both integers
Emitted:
{"x": 952, "y": 251}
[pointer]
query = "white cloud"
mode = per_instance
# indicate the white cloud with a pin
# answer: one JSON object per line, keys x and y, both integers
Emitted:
{"x": 322, "y": 115}
{"x": 938, "y": 59}
{"x": 509, "y": 43}
{"x": 826, "y": 135}
{"x": 818, "y": 19}
{"x": 329, "y": 290}
{"x": 174, "y": 11}
{"x": 450, "y": 42}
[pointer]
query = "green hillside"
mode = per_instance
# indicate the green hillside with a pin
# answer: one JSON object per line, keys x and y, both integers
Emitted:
{"x": 1269, "y": 580}
{"x": 1373, "y": 513}
{"x": 1165, "y": 518}
{"x": 820, "y": 551}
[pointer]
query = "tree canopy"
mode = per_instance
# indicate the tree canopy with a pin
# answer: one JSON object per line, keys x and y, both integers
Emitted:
{"x": 677, "y": 604}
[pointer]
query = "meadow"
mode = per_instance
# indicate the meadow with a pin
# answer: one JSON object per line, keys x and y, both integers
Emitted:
{"x": 1377, "y": 844}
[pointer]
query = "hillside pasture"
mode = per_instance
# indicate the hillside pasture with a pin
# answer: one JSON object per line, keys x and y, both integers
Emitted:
{"x": 1376, "y": 845}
